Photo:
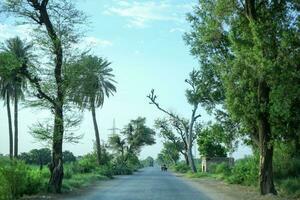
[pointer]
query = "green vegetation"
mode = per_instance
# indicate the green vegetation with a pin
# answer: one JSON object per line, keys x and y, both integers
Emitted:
{"x": 245, "y": 172}
{"x": 19, "y": 179}
{"x": 248, "y": 74}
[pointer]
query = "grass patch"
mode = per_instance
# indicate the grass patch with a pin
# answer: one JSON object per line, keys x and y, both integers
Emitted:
{"x": 82, "y": 180}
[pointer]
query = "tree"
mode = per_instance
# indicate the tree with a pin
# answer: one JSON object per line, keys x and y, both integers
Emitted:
{"x": 211, "y": 141}
{"x": 8, "y": 62}
{"x": 56, "y": 24}
{"x": 170, "y": 153}
{"x": 135, "y": 135}
{"x": 194, "y": 99}
{"x": 68, "y": 156}
{"x": 39, "y": 157}
{"x": 166, "y": 130}
{"x": 96, "y": 82}
{"x": 17, "y": 82}
{"x": 247, "y": 45}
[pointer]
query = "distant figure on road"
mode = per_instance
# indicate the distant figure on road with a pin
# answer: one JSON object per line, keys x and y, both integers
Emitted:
{"x": 163, "y": 167}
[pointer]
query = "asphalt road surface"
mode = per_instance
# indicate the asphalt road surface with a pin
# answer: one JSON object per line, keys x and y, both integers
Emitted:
{"x": 150, "y": 183}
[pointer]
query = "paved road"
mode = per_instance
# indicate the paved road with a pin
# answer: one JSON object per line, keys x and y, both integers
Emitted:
{"x": 149, "y": 184}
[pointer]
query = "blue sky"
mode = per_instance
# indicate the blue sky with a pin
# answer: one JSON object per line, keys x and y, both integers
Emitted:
{"x": 143, "y": 40}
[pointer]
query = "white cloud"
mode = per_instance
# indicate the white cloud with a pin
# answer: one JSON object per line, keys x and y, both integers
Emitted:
{"x": 140, "y": 14}
{"x": 96, "y": 42}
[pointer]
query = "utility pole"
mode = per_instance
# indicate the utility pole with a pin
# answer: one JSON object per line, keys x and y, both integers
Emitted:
{"x": 114, "y": 128}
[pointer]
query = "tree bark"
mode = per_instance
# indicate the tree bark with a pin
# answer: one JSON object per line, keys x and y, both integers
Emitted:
{"x": 16, "y": 144}
{"x": 189, "y": 138}
{"x": 266, "y": 147}
{"x": 97, "y": 136}
{"x": 186, "y": 159}
{"x": 56, "y": 166}
{"x": 191, "y": 159}
{"x": 10, "y": 131}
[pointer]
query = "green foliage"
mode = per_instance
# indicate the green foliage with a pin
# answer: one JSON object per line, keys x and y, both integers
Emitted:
{"x": 211, "y": 141}
{"x": 15, "y": 175}
{"x": 90, "y": 80}
{"x": 286, "y": 162}
{"x": 148, "y": 162}
{"x": 35, "y": 182}
{"x": 18, "y": 179}
{"x": 80, "y": 180}
{"x": 37, "y": 157}
{"x": 290, "y": 187}
{"x": 223, "y": 169}
{"x": 245, "y": 171}
{"x": 181, "y": 168}
{"x": 68, "y": 157}
{"x": 169, "y": 154}
{"x": 88, "y": 163}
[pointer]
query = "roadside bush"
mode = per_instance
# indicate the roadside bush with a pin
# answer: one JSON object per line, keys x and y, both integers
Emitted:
{"x": 88, "y": 163}
{"x": 181, "y": 167}
{"x": 223, "y": 169}
{"x": 4, "y": 188}
{"x": 105, "y": 170}
{"x": 68, "y": 172}
{"x": 121, "y": 170}
{"x": 34, "y": 182}
{"x": 245, "y": 171}
{"x": 286, "y": 163}
{"x": 14, "y": 175}
{"x": 290, "y": 186}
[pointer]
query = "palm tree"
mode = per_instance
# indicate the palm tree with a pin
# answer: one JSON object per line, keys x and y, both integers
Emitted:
{"x": 5, "y": 94}
{"x": 95, "y": 83}
{"x": 15, "y": 84}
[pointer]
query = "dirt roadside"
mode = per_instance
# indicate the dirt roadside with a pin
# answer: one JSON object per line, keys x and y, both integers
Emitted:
{"x": 219, "y": 190}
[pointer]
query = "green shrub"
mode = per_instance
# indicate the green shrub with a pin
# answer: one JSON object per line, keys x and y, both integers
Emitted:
{"x": 34, "y": 182}
{"x": 121, "y": 170}
{"x": 68, "y": 172}
{"x": 285, "y": 164}
{"x": 290, "y": 186}
{"x": 79, "y": 180}
{"x": 245, "y": 171}
{"x": 105, "y": 170}
{"x": 88, "y": 163}
{"x": 14, "y": 174}
{"x": 223, "y": 169}
{"x": 4, "y": 188}
{"x": 212, "y": 168}
{"x": 182, "y": 168}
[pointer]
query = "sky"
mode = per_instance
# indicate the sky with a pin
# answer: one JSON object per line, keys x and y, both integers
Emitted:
{"x": 143, "y": 40}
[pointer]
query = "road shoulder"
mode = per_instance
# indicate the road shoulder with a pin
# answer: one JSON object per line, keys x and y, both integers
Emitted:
{"x": 219, "y": 190}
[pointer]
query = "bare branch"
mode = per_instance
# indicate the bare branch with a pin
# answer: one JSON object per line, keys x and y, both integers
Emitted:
{"x": 153, "y": 98}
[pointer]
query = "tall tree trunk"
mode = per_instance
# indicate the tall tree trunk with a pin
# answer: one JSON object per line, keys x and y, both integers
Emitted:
{"x": 56, "y": 166}
{"x": 97, "y": 136}
{"x": 10, "y": 131}
{"x": 16, "y": 145}
{"x": 189, "y": 138}
{"x": 191, "y": 159}
{"x": 186, "y": 159}
{"x": 266, "y": 147}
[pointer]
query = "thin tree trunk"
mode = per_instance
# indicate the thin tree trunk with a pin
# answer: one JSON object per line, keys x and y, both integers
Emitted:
{"x": 16, "y": 124}
{"x": 56, "y": 166}
{"x": 266, "y": 147}
{"x": 10, "y": 131}
{"x": 97, "y": 136}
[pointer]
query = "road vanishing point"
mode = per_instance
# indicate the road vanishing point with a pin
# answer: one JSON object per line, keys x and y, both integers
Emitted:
{"x": 147, "y": 184}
